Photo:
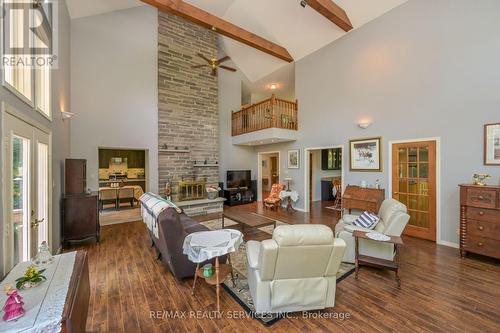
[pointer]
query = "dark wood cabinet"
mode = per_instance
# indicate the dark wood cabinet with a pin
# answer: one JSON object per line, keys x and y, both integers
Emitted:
{"x": 331, "y": 159}
{"x": 80, "y": 218}
{"x": 480, "y": 220}
{"x": 135, "y": 158}
{"x": 75, "y": 176}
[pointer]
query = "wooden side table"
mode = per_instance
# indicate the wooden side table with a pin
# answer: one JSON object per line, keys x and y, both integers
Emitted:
{"x": 361, "y": 259}
{"x": 204, "y": 245}
{"x": 220, "y": 274}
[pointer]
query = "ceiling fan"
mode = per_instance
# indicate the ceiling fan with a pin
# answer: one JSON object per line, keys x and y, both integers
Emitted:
{"x": 213, "y": 63}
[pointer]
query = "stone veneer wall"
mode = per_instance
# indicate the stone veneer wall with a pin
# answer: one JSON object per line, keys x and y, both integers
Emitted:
{"x": 187, "y": 102}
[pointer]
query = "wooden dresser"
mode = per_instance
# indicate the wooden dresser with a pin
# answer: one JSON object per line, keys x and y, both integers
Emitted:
{"x": 80, "y": 218}
{"x": 366, "y": 199}
{"x": 480, "y": 220}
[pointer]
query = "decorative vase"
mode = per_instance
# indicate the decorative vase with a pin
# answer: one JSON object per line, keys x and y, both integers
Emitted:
{"x": 207, "y": 270}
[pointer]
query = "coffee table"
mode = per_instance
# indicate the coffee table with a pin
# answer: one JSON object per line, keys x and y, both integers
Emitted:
{"x": 247, "y": 219}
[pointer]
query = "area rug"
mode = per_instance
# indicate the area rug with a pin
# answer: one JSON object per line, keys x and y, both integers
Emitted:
{"x": 240, "y": 291}
{"x": 123, "y": 215}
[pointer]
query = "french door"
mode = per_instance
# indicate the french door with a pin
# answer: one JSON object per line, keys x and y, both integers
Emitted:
{"x": 414, "y": 184}
{"x": 27, "y": 190}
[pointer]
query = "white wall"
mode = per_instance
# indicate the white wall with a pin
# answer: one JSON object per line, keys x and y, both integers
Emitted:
{"x": 114, "y": 87}
{"x": 232, "y": 157}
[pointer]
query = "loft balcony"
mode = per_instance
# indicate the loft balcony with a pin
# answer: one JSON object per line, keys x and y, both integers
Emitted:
{"x": 270, "y": 121}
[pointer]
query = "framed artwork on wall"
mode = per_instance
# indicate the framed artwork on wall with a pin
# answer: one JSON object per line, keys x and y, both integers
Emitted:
{"x": 293, "y": 159}
{"x": 492, "y": 144}
{"x": 365, "y": 154}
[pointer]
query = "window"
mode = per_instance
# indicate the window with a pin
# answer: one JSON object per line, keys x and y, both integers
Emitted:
{"x": 32, "y": 84}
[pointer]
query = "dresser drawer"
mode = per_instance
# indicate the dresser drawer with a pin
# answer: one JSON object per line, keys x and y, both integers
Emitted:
{"x": 484, "y": 246}
{"x": 479, "y": 197}
{"x": 483, "y": 229}
{"x": 480, "y": 214}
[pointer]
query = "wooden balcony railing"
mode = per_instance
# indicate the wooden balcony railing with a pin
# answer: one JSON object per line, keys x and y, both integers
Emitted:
{"x": 270, "y": 113}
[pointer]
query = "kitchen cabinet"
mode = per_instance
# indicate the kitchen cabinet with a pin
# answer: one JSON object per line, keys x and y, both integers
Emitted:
{"x": 331, "y": 159}
{"x": 135, "y": 158}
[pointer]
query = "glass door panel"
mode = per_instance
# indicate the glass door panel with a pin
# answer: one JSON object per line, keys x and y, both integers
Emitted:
{"x": 42, "y": 193}
{"x": 27, "y": 187}
{"x": 20, "y": 197}
{"x": 413, "y": 182}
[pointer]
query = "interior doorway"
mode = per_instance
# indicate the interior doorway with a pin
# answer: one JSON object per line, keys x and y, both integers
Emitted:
{"x": 323, "y": 177}
{"x": 414, "y": 183}
{"x": 269, "y": 173}
{"x": 27, "y": 188}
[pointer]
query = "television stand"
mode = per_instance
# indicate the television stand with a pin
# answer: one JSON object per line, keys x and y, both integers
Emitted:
{"x": 238, "y": 196}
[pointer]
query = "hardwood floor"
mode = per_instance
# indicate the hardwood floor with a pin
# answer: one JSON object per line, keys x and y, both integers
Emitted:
{"x": 440, "y": 291}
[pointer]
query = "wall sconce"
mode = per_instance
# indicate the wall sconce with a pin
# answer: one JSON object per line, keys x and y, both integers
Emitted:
{"x": 364, "y": 124}
{"x": 67, "y": 115}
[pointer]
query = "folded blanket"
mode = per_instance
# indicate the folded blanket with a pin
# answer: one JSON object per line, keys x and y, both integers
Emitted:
{"x": 151, "y": 207}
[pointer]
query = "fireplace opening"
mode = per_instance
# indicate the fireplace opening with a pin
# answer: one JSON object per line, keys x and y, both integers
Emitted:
{"x": 191, "y": 189}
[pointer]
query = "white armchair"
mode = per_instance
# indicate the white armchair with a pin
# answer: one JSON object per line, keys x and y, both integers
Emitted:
{"x": 393, "y": 220}
{"x": 295, "y": 270}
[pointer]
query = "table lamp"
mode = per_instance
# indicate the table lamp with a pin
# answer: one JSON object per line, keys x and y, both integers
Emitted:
{"x": 288, "y": 181}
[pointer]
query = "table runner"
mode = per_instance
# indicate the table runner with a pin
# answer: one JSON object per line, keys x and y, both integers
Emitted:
{"x": 44, "y": 304}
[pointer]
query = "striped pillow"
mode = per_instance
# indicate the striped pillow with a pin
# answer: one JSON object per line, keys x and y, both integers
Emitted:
{"x": 366, "y": 220}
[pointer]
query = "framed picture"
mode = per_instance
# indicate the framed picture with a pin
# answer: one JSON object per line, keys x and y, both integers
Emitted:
{"x": 293, "y": 159}
{"x": 365, "y": 154}
{"x": 492, "y": 144}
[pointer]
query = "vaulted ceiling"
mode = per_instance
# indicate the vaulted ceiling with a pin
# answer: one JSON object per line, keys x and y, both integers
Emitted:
{"x": 300, "y": 30}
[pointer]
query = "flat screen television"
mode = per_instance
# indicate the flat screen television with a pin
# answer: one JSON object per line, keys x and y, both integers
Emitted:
{"x": 238, "y": 178}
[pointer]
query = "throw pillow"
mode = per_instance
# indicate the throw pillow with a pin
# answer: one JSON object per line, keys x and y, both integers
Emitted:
{"x": 366, "y": 220}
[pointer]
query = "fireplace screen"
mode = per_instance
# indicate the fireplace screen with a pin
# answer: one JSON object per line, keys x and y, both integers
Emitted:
{"x": 191, "y": 190}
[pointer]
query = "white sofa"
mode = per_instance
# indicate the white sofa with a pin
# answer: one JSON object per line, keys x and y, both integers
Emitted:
{"x": 393, "y": 220}
{"x": 295, "y": 270}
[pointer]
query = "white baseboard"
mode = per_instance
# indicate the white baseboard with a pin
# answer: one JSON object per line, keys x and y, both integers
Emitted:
{"x": 450, "y": 244}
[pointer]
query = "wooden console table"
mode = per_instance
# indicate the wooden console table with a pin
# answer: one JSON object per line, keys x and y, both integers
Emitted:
{"x": 378, "y": 262}
{"x": 365, "y": 199}
{"x": 48, "y": 305}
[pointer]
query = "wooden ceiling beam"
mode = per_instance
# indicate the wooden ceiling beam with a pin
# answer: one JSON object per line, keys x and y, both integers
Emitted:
{"x": 333, "y": 12}
{"x": 207, "y": 20}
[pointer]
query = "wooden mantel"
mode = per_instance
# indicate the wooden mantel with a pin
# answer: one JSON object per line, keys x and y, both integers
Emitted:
{"x": 207, "y": 20}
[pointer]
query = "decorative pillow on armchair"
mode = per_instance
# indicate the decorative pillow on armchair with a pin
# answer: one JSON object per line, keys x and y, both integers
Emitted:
{"x": 366, "y": 220}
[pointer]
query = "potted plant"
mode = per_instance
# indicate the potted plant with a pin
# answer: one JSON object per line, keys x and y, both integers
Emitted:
{"x": 31, "y": 278}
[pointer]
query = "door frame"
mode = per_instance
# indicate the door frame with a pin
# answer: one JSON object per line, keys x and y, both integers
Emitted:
{"x": 437, "y": 140}
{"x": 259, "y": 170}
{"x": 307, "y": 203}
{"x": 8, "y": 109}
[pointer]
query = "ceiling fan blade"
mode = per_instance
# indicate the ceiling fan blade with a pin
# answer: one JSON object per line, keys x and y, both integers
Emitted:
{"x": 228, "y": 68}
{"x": 221, "y": 60}
{"x": 203, "y": 57}
{"x": 199, "y": 66}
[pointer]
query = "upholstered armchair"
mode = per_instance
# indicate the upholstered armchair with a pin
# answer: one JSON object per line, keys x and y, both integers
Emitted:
{"x": 295, "y": 270}
{"x": 393, "y": 220}
{"x": 273, "y": 201}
